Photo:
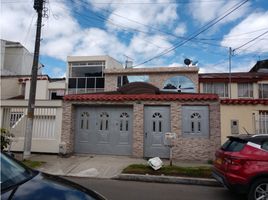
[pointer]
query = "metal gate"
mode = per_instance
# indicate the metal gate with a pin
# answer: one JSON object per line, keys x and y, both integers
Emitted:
{"x": 156, "y": 124}
{"x": 104, "y": 130}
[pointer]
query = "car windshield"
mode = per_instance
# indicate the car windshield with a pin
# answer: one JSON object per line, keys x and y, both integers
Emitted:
{"x": 12, "y": 173}
{"x": 233, "y": 145}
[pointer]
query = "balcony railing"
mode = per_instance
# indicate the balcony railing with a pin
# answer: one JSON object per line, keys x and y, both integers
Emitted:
{"x": 80, "y": 85}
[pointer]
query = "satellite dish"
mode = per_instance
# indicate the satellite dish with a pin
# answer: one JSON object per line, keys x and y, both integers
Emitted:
{"x": 187, "y": 61}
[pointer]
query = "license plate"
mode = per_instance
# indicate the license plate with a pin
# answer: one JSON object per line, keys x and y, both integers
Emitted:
{"x": 219, "y": 161}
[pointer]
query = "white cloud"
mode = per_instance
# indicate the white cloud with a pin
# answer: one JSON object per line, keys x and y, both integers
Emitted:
{"x": 58, "y": 72}
{"x": 136, "y": 15}
{"x": 205, "y": 11}
{"x": 254, "y": 25}
{"x": 181, "y": 29}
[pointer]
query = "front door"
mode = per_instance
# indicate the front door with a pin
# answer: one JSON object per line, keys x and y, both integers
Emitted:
{"x": 156, "y": 124}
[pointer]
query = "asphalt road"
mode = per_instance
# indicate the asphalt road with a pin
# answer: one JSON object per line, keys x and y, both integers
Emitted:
{"x": 130, "y": 190}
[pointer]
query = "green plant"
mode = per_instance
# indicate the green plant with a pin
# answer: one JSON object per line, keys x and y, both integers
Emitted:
{"x": 6, "y": 138}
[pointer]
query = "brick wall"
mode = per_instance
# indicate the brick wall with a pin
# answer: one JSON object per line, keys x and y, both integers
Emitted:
{"x": 157, "y": 76}
{"x": 186, "y": 148}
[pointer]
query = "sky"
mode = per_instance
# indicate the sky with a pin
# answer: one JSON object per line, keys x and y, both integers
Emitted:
{"x": 151, "y": 33}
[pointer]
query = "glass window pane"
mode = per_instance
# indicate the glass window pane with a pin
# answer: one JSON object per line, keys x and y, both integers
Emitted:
{"x": 72, "y": 83}
{"x": 119, "y": 81}
{"x": 81, "y": 83}
{"x": 90, "y": 82}
{"x": 153, "y": 126}
{"x": 126, "y": 125}
{"x": 160, "y": 126}
{"x": 100, "y": 83}
{"x": 192, "y": 127}
{"x": 106, "y": 128}
{"x": 121, "y": 125}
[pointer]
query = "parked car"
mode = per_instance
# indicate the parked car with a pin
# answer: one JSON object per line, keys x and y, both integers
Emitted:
{"x": 20, "y": 182}
{"x": 241, "y": 165}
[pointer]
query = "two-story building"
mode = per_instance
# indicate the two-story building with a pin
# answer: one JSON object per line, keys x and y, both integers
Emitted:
{"x": 243, "y": 98}
{"x": 16, "y": 64}
{"x": 134, "y": 110}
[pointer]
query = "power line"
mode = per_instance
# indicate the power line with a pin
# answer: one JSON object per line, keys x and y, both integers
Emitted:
{"x": 204, "y": 28}
{"x": 251, "y": 40}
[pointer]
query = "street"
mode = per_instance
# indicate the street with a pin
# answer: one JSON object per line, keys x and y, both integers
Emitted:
{"x": 122, "y": 190}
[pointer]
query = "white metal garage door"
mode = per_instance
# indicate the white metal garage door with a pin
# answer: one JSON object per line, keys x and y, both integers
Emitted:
{"x": 104, "y": 130}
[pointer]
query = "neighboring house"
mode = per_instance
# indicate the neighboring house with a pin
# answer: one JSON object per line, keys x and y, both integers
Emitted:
{"x": 48, "y": 112}
{"x": 86, "y": 73}
{"x": 244, "y": 102}
{"x": 131, "y": 118}
{"x": 16, "y": 59}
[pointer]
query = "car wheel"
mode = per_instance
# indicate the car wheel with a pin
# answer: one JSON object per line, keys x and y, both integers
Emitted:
{"x": 259, "y": 190}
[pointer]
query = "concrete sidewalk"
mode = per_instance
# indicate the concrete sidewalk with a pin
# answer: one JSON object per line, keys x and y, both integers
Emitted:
{"x": 106, "y": 166}
{"x": 85, "y": 165}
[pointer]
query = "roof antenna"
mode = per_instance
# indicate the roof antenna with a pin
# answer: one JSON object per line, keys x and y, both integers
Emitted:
{"x": 246, "y": 131}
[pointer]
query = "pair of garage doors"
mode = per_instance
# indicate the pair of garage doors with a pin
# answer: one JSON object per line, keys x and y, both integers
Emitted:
{"x": 104, "y": 130}
{"x": 108, "y": 130}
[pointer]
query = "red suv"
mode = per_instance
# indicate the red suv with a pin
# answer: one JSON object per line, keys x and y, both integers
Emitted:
{"x": 241, "y": 165}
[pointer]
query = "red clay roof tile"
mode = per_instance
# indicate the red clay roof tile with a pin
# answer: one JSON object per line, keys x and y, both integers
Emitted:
{"x": 141, "y": 97}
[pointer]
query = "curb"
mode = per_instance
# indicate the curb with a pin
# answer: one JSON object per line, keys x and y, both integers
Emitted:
{"x": 168, "y": 179}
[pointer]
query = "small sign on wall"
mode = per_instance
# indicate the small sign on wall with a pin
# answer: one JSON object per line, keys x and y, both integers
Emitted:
{"x": 234, "y": 127}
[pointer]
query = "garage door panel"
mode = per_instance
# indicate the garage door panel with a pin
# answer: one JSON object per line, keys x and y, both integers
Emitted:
{"x": 109, "y": 131}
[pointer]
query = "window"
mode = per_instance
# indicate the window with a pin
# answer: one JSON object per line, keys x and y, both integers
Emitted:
{"x": 265, "y": 145}
{"x": 233, "y": 145}
{"x": 123, "y": 80}
{"x": 56, "y": 94}
{"x": 245, "y": 89}
{"x": 179, "y": 84}
{"x": 124, "y": 117}
{"x": 157, "y": 122}
{"x": 263, "y": 91}
{"x": 195, "y": 121}
{"x": 84, "y": 120}
{"x": 217, "y": 88}
{"x": 104, "y": 121}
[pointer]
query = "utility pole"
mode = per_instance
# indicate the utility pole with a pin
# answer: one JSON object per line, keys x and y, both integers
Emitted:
{"x": 38, "y": 6}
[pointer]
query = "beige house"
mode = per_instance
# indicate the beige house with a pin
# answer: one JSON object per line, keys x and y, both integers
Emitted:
{"x": 16, "y": 59}
{"x": 48, "y": 111}
{"x": 134, "y": 110}
{"x": 243, "y": 99}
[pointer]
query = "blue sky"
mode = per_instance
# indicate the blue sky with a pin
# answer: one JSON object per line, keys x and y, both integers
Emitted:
{"x": 155, "y": 30}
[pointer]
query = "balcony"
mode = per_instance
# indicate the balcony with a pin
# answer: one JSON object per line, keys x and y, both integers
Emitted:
{"x": 80, "y": 85}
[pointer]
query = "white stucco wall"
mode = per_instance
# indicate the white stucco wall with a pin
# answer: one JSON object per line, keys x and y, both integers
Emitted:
{"x": 10, "y": 87}
{"x": 41, "y": 90}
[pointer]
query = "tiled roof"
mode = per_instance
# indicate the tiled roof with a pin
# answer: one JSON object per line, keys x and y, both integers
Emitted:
{"x": 141, "y": 97}
{"x": 244, "y": 101}
{"x": 235, "y": 77}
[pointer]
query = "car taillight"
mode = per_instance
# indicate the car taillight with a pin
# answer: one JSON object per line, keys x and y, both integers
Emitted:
{"x": 234, "y": 161}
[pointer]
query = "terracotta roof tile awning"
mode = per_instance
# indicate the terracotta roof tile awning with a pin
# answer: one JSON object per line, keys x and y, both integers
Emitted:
{"x": 140, "y": 97}
{"x": 244, "y": 101}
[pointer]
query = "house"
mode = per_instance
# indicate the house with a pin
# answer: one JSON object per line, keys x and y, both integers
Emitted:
{"x": 16, "y": 59}
{"x": 16, "y": 65}
{"x": 86, "y": 73}
{"x": 48, "y": 111}
{"x": 134, "y": 110}
{"x": 243, "y": 99}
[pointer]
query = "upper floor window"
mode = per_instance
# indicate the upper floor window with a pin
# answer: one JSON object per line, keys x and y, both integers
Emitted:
{"x": 123, "y": 80}
{"x": 217, "y": 88}
{"x": 179, "y": 84}
{"x": 263, "y": 90}
{"x": 56, "y": 94}
{"x": 87, "y": 69}
{"x": 245, "y": 89}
